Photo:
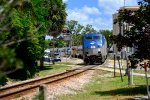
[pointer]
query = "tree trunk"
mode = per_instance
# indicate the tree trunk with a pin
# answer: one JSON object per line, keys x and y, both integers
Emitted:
{"x": 41, "y": 63}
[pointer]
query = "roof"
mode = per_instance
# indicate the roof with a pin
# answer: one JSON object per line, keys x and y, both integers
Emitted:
{"x": 133, "y": 8}
{"x": 92, "y": 34}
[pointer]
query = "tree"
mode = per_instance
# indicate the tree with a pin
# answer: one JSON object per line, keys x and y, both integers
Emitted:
{"x": 77, "y": 37}
{"x": 76, "y": 30}
{"x": 58, "y": 42}
{"x": 52, "y": 15}
{"x": 57, "y": 16}
{"x": 107, "y": 34}
{"x": 139, "y": 34}
{"x": 88, "y": 28}
{"x": 23, "y": 27}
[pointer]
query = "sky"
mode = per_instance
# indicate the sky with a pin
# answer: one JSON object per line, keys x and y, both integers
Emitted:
{"x": 97, "y": 13}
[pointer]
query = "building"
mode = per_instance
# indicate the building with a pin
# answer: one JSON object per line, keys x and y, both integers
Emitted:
{"x": 119, "y": 29}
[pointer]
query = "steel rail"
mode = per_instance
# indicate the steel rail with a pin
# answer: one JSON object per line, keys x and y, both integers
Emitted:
{"x": 11, "y": 90}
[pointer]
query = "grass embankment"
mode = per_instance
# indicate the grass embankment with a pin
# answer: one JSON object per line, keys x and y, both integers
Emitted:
{"x": 48, "y": 69}
{"x": 140, "y": 71}
{"x": 54, "y": 68}
{"x": 105, "y": 87}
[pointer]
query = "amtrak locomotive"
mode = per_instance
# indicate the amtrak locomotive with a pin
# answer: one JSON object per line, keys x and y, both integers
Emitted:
{"x": 94, "y": 48}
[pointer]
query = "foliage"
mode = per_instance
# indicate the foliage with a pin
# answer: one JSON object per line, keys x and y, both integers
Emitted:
{"x": 139, "y": 34}
{"x": 76, "y": 30}
{"x": 3, "y": 78}
{"x": 57, "y": 16}
{"x": 58, "y": 42}
{"x": 107, "y": 34}
{"x": 88, "y": 28}
{"x": 23, "y": 27}
{"x": 77, "y": 39}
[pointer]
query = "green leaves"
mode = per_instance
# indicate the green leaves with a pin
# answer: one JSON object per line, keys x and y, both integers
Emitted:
{"x": 57, "y": 15}
{"x": 23, "y": 27}
{"x": 138, "y": 33}
{"x": 107, "y": 34}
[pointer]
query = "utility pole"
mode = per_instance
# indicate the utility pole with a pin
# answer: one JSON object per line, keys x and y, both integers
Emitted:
{"x": 67, "y": 37}
{"x": 124, "y": 2}
{"x": 53, "y": 53}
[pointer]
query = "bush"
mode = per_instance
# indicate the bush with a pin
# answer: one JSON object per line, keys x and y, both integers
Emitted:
{"x": 3, "y": 79}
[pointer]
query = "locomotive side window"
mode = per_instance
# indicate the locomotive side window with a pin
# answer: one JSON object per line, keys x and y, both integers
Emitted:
{"x": 88, "y": 37}
{"x": 96, "y": 37}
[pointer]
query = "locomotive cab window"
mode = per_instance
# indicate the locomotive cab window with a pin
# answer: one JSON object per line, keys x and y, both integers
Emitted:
{"x": 96, "y": 37}
{"x": 88, "y": 37}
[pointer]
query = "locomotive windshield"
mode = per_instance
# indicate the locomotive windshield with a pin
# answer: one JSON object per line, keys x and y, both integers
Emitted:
{"x": 96, "y": 37}
{"x": 88, "y": 37}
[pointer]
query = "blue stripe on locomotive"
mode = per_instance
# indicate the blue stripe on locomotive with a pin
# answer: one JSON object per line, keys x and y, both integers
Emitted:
{"x": 98, "y": 43}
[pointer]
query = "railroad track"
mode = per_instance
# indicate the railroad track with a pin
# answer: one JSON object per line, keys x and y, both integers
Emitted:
{"x": 30, "y": 86}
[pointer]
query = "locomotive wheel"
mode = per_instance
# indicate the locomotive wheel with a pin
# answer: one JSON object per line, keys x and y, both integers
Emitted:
{"x": 91, "y": 62}
{"x": 86, "y": 61}
{"x": 103, "y": 59}
{"x": 98, "y": 60}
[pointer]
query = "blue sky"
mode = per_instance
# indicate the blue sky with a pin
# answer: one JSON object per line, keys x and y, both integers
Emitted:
{"x": 97, "y": 13}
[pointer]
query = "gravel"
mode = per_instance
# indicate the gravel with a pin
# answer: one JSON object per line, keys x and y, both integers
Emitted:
{"x": 70, "y": 86}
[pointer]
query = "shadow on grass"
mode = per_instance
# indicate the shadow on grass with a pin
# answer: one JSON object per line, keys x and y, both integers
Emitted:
{"x": 87, "y": 64}
{"x": 81, "y": 64}
{"x": 46, "y": 68}
{"x": 141, "y": 89}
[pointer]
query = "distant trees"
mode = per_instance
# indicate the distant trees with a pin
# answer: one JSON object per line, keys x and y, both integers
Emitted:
{"x": 23, "y": 27}
{"x": 107, "y": 34}
{"x": 139, "y": 34}
{"x": 87, "y": 29}
{"x": 77, "y": 30}
{"x": 58, "y": 42}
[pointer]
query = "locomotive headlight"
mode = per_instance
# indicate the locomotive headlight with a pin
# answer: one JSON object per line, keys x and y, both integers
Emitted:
{"x": 92, "y": 46}
{"x": 100, "y": 44}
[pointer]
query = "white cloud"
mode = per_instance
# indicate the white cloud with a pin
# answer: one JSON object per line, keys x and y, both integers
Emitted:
{"x": 101, "y": 17}
{"x": 111, "y": 6}
{"x": 83, "y": 15}
{"x": 76, "y": 15}
{"x": 84, "y": 18}
{"x": 90, "y": 10}
{"x": 65, "y": 0}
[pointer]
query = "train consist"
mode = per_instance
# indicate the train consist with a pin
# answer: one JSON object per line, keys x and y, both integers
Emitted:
{"x": 94, "y": 48}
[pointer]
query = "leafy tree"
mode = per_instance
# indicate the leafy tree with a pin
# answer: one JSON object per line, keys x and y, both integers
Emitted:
{"x": 8, "y": 38}
{"x": 72, "y": 25}
{"x": 139, "y": 34}
{"x": 77, "y": 37}
{"x": 57, "y": 16}
{"x": 52, "y": 15}
{"x": 76, "y": 30}
{"x": 23, "y": 27}
{"x": 58, "y": 42}
{"x": 88, "y": 28}
{"x": 107, "y": 34}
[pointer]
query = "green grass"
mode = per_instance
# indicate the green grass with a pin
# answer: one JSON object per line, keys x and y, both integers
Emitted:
{"x": 52, "y": 69}
{"x": 48, "y": 69}
{"x": 107, "y": 87}
{"x": 142, "y": 71}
